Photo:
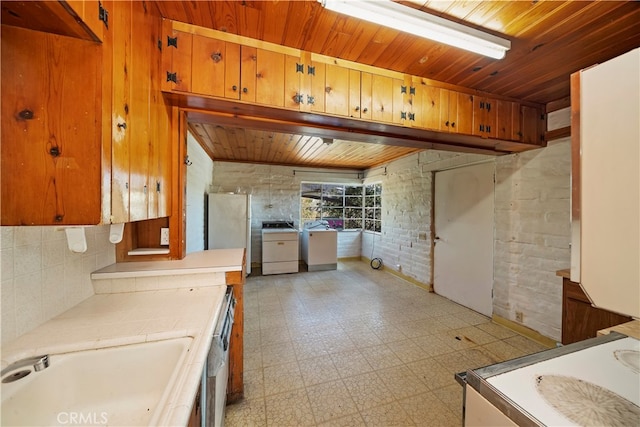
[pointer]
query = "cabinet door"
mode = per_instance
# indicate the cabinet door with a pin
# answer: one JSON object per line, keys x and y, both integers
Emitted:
{"x": 506, "y": 127}
{"x": 336, "y": 99}
{"x": 293, "y": 79}
{"x": 448, "y": 111}
{"x": 430, "y": 107}
{"x": 270, "y": 78}
{"x": 355, "y": 100}
{"x": 121, "y": 126}
{"x": 484, "y": 117}
{"x": 316, "y": 75}
{"x": 464, "y": 120}
{"x": 51, "y": 129}
{"x": 365, "y": 95}
{"x": 216, "y": 66}
{"x": 248, "y": 69}
{"x": 89, "y": 13}
{"x": 532, "y": 125}
{"x": 176, "y": 59}
{"x": 382, "y": 98}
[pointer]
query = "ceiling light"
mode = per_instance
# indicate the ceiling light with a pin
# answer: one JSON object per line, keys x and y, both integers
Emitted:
{"x": 413, "y": 21}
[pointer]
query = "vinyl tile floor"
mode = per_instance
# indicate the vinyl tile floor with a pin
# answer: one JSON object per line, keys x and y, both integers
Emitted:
{"x": 359, "y": 347}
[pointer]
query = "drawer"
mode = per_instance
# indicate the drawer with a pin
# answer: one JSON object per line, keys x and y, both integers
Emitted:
{"x": 272, "y": 236}
{"x": 282, "y": 250}
{"x": 279, "y": 267}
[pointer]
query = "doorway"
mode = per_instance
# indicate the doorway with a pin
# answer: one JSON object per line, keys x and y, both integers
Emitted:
{"x": 464, "y": 234}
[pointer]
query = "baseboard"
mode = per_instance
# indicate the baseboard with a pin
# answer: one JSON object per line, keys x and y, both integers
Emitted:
{"x": 524, "y": 331}
{"x": 427, "y": 286}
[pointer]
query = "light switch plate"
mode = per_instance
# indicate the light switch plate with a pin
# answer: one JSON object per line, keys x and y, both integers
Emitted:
{"x": 164, "y": 236}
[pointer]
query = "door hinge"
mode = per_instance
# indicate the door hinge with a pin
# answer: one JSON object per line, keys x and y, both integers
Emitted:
{"x": 311, "y": 99}
{"x": 103, "y": 14}
{"x": 299, "y": 68}
{"x": 311, "y": 70}
{"x": 172, "y": 41}
{"x": 172, "y": 77}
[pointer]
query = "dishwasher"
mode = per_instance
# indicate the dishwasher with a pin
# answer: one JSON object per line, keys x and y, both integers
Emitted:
{"x": 215, "y": 375}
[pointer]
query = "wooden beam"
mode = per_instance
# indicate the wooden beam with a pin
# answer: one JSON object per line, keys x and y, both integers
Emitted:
{"x": 557, "y": 133}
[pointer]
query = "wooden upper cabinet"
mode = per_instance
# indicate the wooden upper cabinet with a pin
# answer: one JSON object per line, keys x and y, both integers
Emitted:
{"x": 484, "y": 117}
{"x": 313, "y": 84}
{"x": 381, "y": 98}
{"x": 51, "y": 129}
{"x": 177, "y": 52}
{"x": 533, "y": 125}
{"x": 82, "y": 19}
{"x": 355, "y": 94}
{"x": 92, "y": 14}
{"x": 336, "y": 100}
{"x": 262, "y": 75}
{"x": 215, "y": 67}
{"x": 448, "y": 111}
{"x": 429, "y": 117}
{"x": 464, "y": 121}
{"x": 507, "y": 120}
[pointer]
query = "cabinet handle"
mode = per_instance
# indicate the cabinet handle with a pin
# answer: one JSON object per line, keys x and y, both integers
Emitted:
{"x": 453, "y": 124}
{"x": 245, "y": 90}
{"x": 311, "y": 100}
{"x": 122, "y": 126}
{"x": 488, "y": 106}
{"x": 446, "y": 123}
{"x": 158, "y": 186}
{"x": 488, "y": 129}
{"x": 234, "y": 88}
{"x": 298, "y": 98}
{"x": 217, "y": 57}
{"x": 481, "y": 128}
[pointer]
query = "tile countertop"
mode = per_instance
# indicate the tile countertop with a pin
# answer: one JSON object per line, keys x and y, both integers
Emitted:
{"x": 210, "y": 261}
{"x": 115, "y": 319}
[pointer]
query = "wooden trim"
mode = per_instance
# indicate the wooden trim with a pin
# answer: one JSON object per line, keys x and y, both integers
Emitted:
{"x": 432, "y": 243}
{"x": 235, "y": 385}
{"x": 524, "y": 331}
{"x": 177, "y": 220}
{"x": 559, "y": 104}
{"x": 557, "y": 133}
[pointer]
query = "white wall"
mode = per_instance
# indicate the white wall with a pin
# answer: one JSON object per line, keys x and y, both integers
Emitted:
{"x": 275, "y": 192}
{"x": 533, "y": 235}
{"x": 41, "y": 278}
{"x": 199, "y": 179}
{"x": 532, "y": 226}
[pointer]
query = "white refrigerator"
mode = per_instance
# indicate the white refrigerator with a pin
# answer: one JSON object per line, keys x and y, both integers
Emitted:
{"x": 230, "y": 223}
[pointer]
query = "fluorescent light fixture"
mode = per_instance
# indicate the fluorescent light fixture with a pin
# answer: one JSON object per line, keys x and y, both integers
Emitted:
{"x": 413, "y": 21}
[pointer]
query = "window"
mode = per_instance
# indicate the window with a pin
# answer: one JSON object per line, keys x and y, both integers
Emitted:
{"x": 373, "y": 207}
{"x": 344, "y": 207}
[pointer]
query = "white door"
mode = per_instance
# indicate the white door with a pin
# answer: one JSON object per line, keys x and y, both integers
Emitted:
{"x": 463, "y": 218}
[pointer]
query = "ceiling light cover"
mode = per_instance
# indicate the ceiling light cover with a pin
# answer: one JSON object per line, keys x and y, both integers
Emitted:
{"x": 413, "y": 21}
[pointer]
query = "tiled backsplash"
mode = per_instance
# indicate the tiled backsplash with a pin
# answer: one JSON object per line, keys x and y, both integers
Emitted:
{"x": 41, "y": 278}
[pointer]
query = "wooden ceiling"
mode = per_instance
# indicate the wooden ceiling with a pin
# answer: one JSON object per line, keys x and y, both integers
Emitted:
{"x": 549, "y": 41}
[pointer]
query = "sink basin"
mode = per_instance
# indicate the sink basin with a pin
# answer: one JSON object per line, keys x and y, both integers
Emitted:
{"x": 126, "y": 385}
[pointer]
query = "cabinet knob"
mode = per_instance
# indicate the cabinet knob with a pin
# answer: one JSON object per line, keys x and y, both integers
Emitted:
{"x": 217, "y": 57}
{"x": 357, "y": 108}
{"x": 446, "y": 123}
{"x": 234, "y": 88}
{"x": 328, "y": 89}
{"x": 365, "y": 109}
{"x": 453, "y": 124}
{"x": 245, "y": 90}
{"x": 122, "y": 126}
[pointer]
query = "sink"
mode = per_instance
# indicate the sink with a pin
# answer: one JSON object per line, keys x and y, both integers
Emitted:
{"x": 125, "y": 385}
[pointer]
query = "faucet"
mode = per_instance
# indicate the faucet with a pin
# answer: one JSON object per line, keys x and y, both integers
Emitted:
{"x": 38, "y": 362}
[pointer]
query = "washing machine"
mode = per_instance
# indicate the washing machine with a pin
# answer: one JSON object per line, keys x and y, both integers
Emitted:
{"x": 319, "y": 246}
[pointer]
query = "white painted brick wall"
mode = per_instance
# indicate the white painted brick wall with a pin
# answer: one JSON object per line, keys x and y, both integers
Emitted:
{"x": 532, "y": 235}
{"x": 275, "y": 195}
{"x": 199, "y": 179}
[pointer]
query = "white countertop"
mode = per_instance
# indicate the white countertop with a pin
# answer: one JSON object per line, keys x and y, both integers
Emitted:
{"x": 109, "y": 320}
{"x": 116, "y": 319}
{"x": 210, "y": 261}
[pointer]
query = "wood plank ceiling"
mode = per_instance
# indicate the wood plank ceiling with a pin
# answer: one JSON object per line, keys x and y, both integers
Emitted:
{"x": 550, "y": 40}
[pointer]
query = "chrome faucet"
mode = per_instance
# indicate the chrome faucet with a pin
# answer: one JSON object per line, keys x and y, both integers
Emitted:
{"x": 38, "y": 362}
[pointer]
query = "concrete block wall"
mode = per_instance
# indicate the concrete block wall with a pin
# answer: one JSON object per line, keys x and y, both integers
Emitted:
{"x": 41, "y": 278}
{"x": 532, "y": 236}
{"x": 275, "y": 195}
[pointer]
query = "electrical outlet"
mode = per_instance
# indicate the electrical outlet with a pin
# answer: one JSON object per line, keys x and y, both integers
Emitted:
{"x": 164, "y": 236}
{"x": 519, "y": 316}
